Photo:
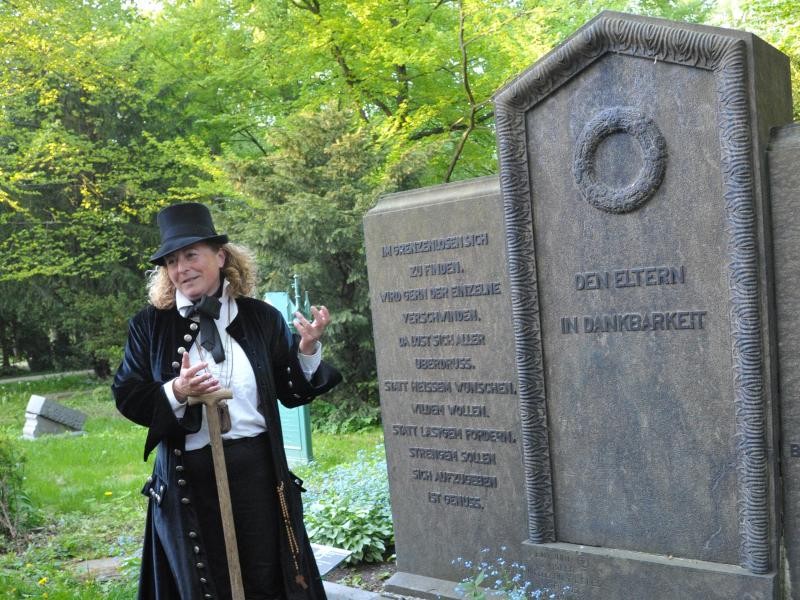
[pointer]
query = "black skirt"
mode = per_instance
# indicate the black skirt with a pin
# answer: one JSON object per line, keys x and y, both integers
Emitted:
{"x": 252, "y": 483}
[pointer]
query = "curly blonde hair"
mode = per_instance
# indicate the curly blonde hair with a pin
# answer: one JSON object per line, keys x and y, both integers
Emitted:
{"x": 239, "y": 269}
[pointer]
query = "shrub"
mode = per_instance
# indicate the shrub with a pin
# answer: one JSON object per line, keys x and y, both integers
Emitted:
{"x": 16, "y": 511}
{"x": 351, "y": 510}
{"x": 332, "y": 417}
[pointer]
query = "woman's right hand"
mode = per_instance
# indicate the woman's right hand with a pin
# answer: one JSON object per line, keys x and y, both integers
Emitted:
{"x": 193, "y": 382}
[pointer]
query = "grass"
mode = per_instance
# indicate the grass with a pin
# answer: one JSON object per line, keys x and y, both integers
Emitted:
{"x": 85, "y": 489}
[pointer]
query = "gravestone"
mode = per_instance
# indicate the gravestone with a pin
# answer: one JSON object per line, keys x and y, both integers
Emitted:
{"x": 784, "y": 168}
{"x": 43, "y": 416}
{"x": 445, "y": 353}
{"x": 645, "y": 411}
{"x": 645, "y": 341}
{"x": 328, "y": 557}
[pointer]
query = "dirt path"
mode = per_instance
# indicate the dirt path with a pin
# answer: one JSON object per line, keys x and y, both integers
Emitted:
{"x": 43, "y": 376}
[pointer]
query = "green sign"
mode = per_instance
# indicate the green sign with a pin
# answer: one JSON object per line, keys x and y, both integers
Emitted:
{"x": 295, "y": 422}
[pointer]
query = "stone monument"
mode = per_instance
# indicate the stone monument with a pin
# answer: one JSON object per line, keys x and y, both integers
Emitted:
{"x": 637, "y": 451}
{"x": 45, "y": 416}
{"x": 445, "y": 352}
{"x": 784, "y": 167}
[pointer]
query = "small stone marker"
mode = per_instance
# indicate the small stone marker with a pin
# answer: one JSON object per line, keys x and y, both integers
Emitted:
{"x": 43, "y": 416}
{"x": 328, "y": 557}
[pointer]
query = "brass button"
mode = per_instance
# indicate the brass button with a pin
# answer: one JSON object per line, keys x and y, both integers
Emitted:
{"x": 187, "y": 338}
{"x": 192, "y": 534}
{"x": 193, "y": 326}
{"x": 181, "y": 350}
{"x": 177, "y": 452}
{"x": 176, "y": 365}
{"x": 181, "y": 482}
{"x": 150, "y": 479}
{"x": 201, "y": 566}
{"x": 196, "y": 549}
{"x": 291, "y": 385}
{"x": 185, "y": 501}
{"x": 203, "y": 580}
{"x": 289, "y": 370}
{"x": 179, "y": 468}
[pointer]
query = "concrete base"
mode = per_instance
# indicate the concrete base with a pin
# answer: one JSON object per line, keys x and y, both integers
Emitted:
{"x": 408, "y": 585}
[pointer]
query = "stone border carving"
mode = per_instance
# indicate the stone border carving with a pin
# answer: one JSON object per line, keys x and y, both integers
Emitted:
{"x": 727, "y": 58}
{"x": 619, "y": 119}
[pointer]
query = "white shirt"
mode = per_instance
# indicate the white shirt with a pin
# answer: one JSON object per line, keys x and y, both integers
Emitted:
{"x": 246, "y": 420}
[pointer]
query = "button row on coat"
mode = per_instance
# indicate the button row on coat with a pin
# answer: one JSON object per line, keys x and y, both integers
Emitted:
{"x": 188, "y": 338}
{"x": 291, "y": 384}
{"x": 196, "y": 550}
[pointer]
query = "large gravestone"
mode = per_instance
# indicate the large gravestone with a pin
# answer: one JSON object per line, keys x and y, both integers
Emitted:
{"x": 634, "y": 185}
{"x": 642, "y": 313}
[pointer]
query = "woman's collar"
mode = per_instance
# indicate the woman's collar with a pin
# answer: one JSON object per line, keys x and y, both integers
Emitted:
{"x": 182, "y": 302}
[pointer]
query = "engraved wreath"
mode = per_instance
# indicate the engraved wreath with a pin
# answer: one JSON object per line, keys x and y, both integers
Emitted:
{"x": 654, "y": 153}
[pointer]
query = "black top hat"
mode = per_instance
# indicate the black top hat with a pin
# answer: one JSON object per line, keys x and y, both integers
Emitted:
{"x": 182, "y": 225}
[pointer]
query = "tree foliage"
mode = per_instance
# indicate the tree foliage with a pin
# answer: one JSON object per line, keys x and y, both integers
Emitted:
{"x": 776, "y": 21}
{"x": 88, "y": 153}
{"x": 288, "y": 117}
{"x": 301, "y": 210}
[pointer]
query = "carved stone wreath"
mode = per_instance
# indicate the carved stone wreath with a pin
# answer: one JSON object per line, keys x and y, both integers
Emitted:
{"x": 654, "y": 153}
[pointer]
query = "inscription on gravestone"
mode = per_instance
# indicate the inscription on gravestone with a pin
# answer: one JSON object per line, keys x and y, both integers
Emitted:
{"x": 441, "y": 316}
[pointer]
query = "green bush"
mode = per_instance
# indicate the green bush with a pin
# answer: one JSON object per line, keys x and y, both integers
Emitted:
{"x": 331, "y": 417}
{"x": 16, "y": 512}
{"x": 351, "y": 510}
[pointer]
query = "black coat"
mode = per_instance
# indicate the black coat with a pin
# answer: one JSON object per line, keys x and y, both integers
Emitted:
{"x": 172, "y": 560}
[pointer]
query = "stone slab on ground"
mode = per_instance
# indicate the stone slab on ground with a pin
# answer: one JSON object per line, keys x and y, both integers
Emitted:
{"x": 100, "y": 568}
{"x": 336, "y": 591}
{"x": 46, "y": 416}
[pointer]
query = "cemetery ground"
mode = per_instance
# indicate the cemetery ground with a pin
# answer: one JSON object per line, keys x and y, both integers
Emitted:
{"x": 81, "y": 495}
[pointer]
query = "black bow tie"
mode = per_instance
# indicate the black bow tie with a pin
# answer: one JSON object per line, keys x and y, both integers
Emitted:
{"x": 207, "y": 308}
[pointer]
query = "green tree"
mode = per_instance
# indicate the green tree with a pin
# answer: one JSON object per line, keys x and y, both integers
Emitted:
{"x": 300, "y": 210}
{"x": 323, "y": 106}
{"x": 88, "y": 154}
{"x": 777, "y": 23}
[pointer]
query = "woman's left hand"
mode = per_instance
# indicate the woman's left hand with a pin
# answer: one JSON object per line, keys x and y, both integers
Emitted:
{"x": 311, "y": 331}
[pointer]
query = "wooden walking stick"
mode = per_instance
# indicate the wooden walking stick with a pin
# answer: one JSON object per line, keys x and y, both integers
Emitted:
{"x": 212, "y": 401}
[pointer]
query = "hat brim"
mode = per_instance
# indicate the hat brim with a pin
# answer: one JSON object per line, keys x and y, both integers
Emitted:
{"x": 175, "y": 244}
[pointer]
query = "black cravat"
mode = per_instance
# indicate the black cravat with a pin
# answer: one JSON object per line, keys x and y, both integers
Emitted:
{"x": 208, "y": 310}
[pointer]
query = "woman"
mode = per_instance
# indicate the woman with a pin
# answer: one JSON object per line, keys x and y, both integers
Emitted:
{"x": 202, "y": 333}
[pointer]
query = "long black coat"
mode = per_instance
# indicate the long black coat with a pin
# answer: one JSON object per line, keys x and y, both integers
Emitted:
{"x": 173, "y": 563}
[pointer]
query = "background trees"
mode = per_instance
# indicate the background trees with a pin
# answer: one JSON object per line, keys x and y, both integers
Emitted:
{"x": 288, "y": 117}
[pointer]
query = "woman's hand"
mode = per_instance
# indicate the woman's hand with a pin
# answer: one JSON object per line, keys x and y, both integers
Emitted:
{"x": 191, "y": 382}
{"x": 311, "y": 332}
